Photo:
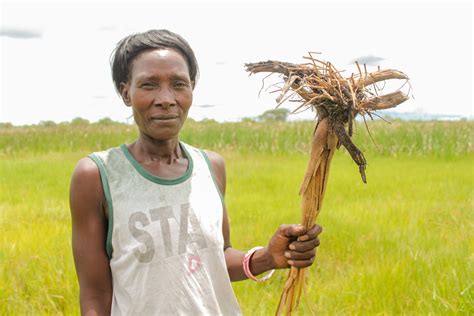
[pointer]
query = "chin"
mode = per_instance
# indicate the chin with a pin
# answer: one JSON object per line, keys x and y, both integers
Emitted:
{"x": 164, "y": 135}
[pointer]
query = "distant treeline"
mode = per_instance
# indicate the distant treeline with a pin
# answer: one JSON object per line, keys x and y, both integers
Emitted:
{"x": 274, "y": 115}
{"x": 439, "y": 138}
{"x": 78, "y": 121}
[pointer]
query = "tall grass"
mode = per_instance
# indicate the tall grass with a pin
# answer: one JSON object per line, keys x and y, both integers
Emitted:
{"x": 413, "y": 138}
{"x": 402, "y": 244}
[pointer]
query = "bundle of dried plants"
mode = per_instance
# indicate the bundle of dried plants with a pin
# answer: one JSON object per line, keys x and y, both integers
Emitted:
{"x": 336, "y": 100}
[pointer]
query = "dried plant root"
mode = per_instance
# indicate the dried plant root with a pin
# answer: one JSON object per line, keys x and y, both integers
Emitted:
{"x": 377, "y": 76}
{"x": 383, "y": 102}
{"x": 336, "y": 101}
{"x": 321, "y": 87}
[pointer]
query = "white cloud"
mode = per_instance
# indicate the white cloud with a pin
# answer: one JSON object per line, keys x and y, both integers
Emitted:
{"x": 19, "y": 33}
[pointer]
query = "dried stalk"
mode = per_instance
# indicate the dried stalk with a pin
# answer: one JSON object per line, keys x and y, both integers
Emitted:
{"x": 337, "y": 101}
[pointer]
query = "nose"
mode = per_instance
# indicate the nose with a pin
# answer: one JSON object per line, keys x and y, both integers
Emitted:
{"x": 164, "y": 97}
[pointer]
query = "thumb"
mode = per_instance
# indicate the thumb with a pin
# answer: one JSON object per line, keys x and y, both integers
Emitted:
{"x": 293, "y": 230}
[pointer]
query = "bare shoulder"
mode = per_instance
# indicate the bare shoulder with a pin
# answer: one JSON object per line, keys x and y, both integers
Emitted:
{"x": 86, "y": 187}
{"x": 217, "y": 161}
{"x": 218, "y": 167}
{"x": 86, "y": 173}
{"x": 86, "y": 167}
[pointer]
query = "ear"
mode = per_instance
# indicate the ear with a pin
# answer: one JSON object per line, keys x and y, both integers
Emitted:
{"x": 125, "y": 93}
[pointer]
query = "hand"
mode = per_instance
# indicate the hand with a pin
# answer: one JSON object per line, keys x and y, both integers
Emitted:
{"x": 285, "y": 250}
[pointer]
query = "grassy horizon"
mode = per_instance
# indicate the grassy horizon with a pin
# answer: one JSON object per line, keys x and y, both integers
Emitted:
{"x": 437, "y": 138}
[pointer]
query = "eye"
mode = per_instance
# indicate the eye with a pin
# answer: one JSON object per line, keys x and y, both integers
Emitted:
{"x": 148, "y": 85}
{"x": 181, "y": 84}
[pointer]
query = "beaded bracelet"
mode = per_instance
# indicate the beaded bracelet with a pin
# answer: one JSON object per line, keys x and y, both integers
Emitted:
{"x": 246, "y": 266}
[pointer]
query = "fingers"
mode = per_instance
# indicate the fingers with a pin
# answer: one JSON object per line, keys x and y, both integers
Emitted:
{"x": 301, "y": 259}
{"x": 292, "y": 230}
{"x": 299, "y": 245}
{"x": 293, "y": 255}
{"x": 303, "y": 251}
{"x": 312, "y": 233}
{"x": 302, "y": 246}
{"x": 301, "y": 263}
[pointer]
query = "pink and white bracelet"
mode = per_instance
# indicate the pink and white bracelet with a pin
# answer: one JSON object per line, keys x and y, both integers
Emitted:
{"x": 246, "y": 266}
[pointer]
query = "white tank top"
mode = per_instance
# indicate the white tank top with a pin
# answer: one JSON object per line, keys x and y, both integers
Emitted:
{"x": 165, "y": 238}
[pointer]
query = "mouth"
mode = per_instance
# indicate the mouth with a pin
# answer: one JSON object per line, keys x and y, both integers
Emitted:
{"x": 161, "y": 118}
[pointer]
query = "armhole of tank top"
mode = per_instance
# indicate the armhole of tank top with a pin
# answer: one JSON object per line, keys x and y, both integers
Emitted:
{"x": 105, "y": 185}
{"x": 209, "y": 166}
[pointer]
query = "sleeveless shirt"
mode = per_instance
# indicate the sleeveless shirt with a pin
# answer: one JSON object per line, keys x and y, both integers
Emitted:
{"x": 164, "y": 238}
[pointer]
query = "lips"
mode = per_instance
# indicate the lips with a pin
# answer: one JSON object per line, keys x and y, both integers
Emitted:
{"x": 164, "y": 117}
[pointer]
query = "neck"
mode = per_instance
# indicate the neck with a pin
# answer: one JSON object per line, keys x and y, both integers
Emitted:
{"x": 155, "y": 150}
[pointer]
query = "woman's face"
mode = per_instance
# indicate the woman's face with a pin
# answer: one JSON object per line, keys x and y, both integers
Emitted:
{"x": 160, "y": 92}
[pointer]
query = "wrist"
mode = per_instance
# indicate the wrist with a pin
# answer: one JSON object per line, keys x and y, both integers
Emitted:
{"x": 261, "y": 261}
{"x": 260, "y": 264}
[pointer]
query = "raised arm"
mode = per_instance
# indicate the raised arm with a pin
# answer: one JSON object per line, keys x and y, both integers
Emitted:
{"x": 89, "y": 231}
{"x": 282, "y": 251}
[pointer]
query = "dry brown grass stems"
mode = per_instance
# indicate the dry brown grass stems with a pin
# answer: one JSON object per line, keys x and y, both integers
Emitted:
{"x": 336, "y": 100}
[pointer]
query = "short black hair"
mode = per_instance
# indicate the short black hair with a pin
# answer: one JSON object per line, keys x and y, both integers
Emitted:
{"x": 131, "y": 46}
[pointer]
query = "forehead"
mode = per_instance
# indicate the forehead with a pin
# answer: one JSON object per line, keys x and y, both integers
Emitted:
{"x": 155, "y": 62}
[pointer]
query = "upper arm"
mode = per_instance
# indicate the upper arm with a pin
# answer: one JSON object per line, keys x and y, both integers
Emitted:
{"x": 89, "y": 232}
{"x": 218, "y": 167}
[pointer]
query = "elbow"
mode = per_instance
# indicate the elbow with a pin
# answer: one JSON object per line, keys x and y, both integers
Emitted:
{"x": 95, "y": 303}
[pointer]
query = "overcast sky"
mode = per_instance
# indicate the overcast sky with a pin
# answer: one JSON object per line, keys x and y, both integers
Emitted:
{"x": 55, "y": 55}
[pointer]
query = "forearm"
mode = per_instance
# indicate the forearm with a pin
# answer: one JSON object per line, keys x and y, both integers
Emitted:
{"x": 260, "y": 262}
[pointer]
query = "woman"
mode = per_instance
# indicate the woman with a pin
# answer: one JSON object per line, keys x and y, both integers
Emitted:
{"x": 150, "y": 232}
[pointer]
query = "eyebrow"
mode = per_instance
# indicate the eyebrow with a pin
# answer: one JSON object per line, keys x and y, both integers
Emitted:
{"x": 180, "y": 77}
{"x": 173, "y": 77}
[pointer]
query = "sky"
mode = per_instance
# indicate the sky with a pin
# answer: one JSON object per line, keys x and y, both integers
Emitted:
{"x": 55, "y": 55}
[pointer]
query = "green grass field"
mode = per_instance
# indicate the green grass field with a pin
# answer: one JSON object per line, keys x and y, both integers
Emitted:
{"x": 402, "y": 244}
